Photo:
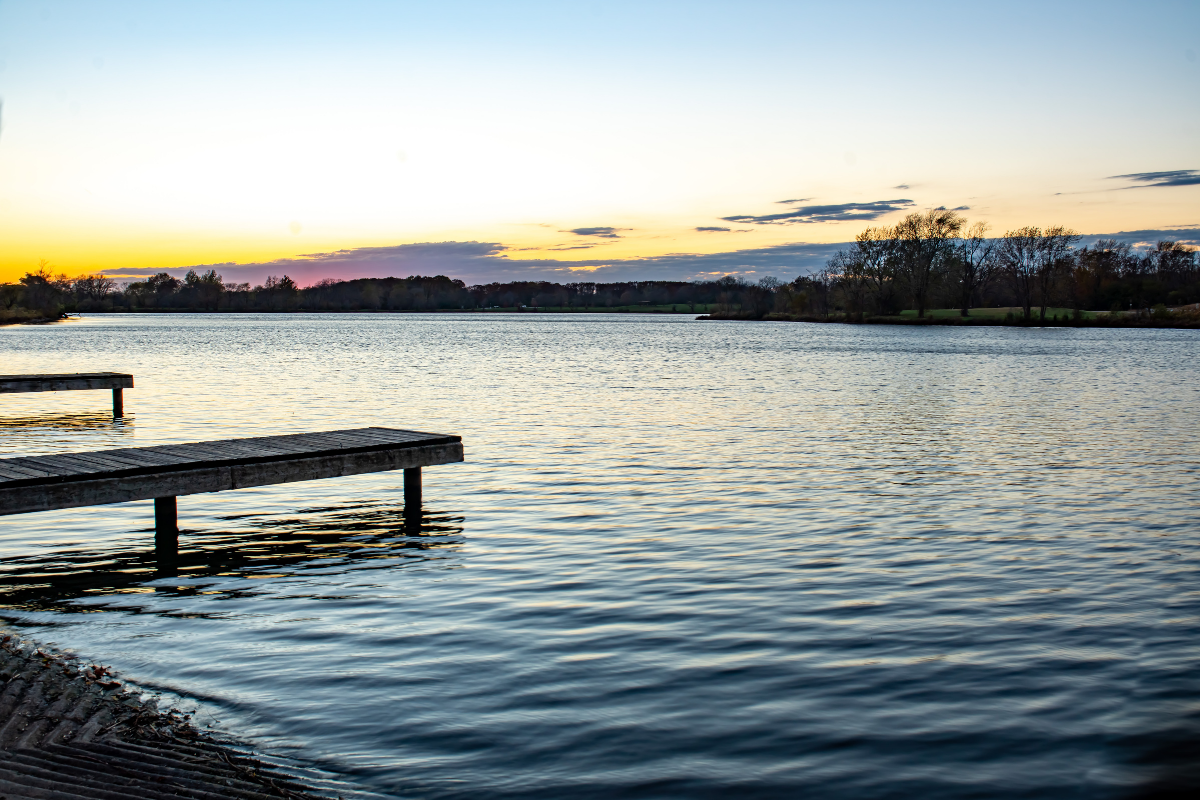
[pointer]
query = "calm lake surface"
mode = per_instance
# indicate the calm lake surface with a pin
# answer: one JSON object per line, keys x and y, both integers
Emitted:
{"x": 682, "y": 560}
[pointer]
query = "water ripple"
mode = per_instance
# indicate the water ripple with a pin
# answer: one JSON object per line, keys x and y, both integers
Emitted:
{"x": 681, "y": 560}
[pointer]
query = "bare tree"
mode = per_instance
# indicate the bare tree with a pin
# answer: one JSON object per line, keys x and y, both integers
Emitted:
{"x": 875, "y": 250}
{"x": 1173, "y": 258}
{"x": 975, "y": 259}
{"x": 1032, "y": 259}
{"x": 1096, "y": 266}
{"x": 94, "y": 287}
{"x": 847, "y": 271}
{"x": 1053, "y": 252}
{"x": 924, "y": 240}
{"x": 1018, "y": 254}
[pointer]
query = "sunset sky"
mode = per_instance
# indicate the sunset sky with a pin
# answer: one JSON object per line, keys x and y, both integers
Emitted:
{"x": 634, "y": 139}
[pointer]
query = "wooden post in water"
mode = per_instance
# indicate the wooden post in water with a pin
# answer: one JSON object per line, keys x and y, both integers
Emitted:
{"x": 118, "y": 403}
{"x": 412, "y": 496}
{"x": 166, "y": 530}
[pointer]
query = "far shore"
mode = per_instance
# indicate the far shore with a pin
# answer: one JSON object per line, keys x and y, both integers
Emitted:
{"x": 1186, "y": 317}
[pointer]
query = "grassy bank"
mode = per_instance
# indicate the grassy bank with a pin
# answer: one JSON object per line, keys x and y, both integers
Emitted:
{"x": 18, "y": 316}
{"x": 1011, "y": 317}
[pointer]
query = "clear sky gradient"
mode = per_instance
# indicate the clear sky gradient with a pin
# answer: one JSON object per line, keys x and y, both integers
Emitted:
{"x": 140, "y": 136}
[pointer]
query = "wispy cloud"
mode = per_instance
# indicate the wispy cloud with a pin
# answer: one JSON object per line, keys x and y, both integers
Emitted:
{"x": 602, "y": 232}
{"x": 1175, "y": 177}
{"x": 902, "y": 187}
{"x": 837, "y": 212}
{"x": 713, "y": 229}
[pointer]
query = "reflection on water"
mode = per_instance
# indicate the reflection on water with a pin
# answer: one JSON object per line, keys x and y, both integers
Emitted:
{"x": 681, "y": 560}
{"x": 333, "y": 540}
{"x": 83, "y": 421}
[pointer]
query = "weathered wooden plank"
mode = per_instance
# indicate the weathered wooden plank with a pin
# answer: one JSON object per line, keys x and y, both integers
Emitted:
{"x": 160, "y": 452}
{"x": 25, "y": 470}
{"x": 225, "y": 451}
{"x": 370, "y": 438}
{"x": 50, "y": 469}
{"x": 306, "y": 442}
{"x": 103, "y": 461}
{"x": 232, "y": 452}
{"x": 101, "y": 490}
{"x": 112, "y": 460}
{"x": 67, "y": 382}
{"x": 336, "y": 444}
{"x": 10, "y": 471}
{"x": 65, "y": 464}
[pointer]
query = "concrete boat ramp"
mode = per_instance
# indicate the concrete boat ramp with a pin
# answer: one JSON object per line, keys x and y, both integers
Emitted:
{"x": 70, "y": 731}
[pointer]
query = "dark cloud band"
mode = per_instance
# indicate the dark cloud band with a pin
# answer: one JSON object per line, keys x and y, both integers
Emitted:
{"x": 837, "y": 212}
{"x": 1175, "y": 177}
{"x": 483, "y": 262}
{"x": 604, "y": 233}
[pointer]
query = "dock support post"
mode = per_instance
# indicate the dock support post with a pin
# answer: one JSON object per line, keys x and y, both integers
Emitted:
{"x": 412, "y": 496}
{"x": 118, "y": 403}
{"x": 166, "y": 530}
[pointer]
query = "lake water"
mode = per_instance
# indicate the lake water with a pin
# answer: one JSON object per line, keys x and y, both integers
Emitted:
{"x": 682, "y": 560}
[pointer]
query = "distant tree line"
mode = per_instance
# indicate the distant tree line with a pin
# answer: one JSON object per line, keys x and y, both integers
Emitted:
{"x": 933, "y": 259}
{"x": 207, "y": 291}
{"x": 936, "y": 259}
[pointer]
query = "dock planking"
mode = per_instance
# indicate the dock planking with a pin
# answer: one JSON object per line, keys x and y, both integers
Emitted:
{"x": 116, "y": 381}
{"x": 163, "y": 472}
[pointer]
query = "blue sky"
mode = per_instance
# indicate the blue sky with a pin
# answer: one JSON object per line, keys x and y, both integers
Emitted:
{"x": 139, "y": 136}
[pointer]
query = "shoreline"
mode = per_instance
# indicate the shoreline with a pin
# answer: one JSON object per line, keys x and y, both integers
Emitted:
{"x": 71, "y": 729}
{"x": 1174, "y": 321}
{"x": 1105, "y": 322}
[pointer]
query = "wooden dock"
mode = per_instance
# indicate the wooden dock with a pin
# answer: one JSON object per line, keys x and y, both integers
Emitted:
{"x": 163, "y": 472}
{"x": 116, "y": 381}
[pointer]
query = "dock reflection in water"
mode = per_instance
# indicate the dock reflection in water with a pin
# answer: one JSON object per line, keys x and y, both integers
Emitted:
{"x": 362, "y": 536}
{"x": 12, "y": 425}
